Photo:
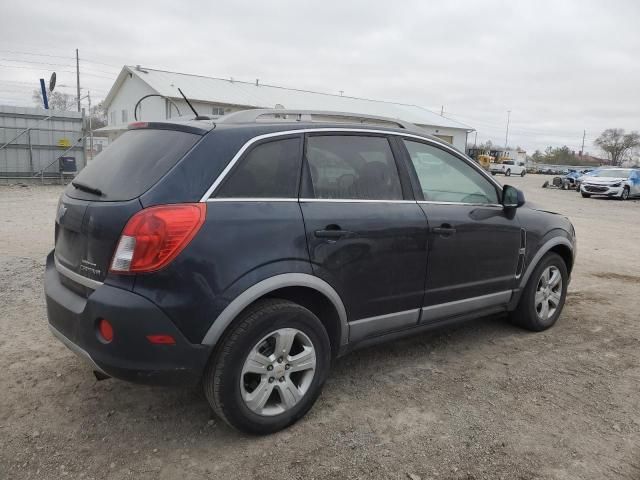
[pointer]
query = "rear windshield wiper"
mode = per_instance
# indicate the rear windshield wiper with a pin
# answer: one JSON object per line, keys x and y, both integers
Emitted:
{"x": 87, "y": 188}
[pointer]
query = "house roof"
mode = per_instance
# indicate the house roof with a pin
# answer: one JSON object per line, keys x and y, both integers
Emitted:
{"x": 233, "y": 92}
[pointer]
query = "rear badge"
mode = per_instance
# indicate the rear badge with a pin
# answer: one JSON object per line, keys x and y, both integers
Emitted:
{"x": 89, "y": 269}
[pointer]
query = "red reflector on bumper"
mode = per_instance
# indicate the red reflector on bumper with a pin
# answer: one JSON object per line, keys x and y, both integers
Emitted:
{"x": 105, "y": 330}
{"x": 161, "y": 339}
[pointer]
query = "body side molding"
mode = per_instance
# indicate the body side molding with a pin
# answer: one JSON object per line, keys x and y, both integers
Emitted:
{"x": 367, "y": 327}
{"x": 270, "y": 284}
{"x": 466, "y": 305}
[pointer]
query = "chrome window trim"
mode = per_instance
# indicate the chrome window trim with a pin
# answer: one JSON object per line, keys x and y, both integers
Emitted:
{"x": 433, "y": 202}
{"x": 243, "y": 199}
{"x": 76, "y": 277}
{"x": 354, "y": 200}
{"x": 258, "y": 138}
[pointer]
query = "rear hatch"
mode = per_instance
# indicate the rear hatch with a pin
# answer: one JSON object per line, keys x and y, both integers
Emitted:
{"x": 96, "y": 206}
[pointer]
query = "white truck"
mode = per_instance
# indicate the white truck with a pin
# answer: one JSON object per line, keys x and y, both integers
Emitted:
{"x": 508, "y": 168}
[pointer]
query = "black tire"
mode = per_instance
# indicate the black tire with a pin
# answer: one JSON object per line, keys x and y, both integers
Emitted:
{"x": 625, "y": 193}
{"x": 507, "y": 173}
{"x": 493, "y": 173}
{"x": 523, "y": 173}
{"x": 585, "y": 195}
{"x": 526, "y": 315}
{"x": 222, "y": 377}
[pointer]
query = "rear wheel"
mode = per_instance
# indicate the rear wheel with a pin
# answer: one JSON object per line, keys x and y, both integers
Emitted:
{"x": 269, "y": 370}
{"x": 543, "y": 298}
{"x": 507, "y": 173}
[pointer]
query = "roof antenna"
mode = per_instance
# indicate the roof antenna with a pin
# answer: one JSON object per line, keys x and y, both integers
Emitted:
{"x": 189, "y": 103}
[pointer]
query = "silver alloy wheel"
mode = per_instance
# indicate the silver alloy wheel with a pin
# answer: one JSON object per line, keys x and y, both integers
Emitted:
{"x": 548, "y": 293}
{"x": 625, "y": 193}
{"x": 278, "y": 372}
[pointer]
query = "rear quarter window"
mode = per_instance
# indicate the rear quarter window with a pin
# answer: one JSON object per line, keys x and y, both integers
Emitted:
{"x": 132, "y": 164}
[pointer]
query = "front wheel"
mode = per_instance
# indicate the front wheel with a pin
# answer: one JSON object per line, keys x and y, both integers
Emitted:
{"x": 269, "y": 370}
{"x": 523, "y": 173}
{"x": 507, "y": 173}
{"x": 544, "y": 295}
{"x": 625, "y": 194}
{"x": 585, "y": 195}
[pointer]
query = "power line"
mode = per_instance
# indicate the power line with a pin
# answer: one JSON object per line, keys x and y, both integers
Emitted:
{"x": 30, "y": 62}
{"x": 64, "y": 71}
{"x": 15, "y": 52}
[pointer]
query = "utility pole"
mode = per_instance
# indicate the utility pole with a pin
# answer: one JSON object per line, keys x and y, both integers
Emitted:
{"x": 506, "y": 136}
{"x": 584, "y": 134}
{"x": 442, "y": 110}
{"x": 78, "y": 78}
{"x": 90, "y": 127}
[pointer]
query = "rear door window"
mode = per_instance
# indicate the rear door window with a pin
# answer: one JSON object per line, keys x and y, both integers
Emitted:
{"x": 269, "y": 170}
{"x": 352, "y": 167}
{"x": 133, "y": 164}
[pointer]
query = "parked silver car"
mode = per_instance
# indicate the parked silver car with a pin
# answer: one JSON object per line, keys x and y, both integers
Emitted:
{"x": 621, "y": 183}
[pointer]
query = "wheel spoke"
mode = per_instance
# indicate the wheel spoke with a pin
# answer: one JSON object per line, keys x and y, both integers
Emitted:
{"x": 555, "y": 278}
{"x": 305, "y": 360}
{"x": 544, "y": 311}
{"x": 539, "y": 298}
{"x": 554, "y": 298}
{"x": 289, "y": 393}
{"x": 545, "y": 277}
{"x": 257, "y": 399}
{"x": 284, "y": 341}
{"x": 256, "y": 363}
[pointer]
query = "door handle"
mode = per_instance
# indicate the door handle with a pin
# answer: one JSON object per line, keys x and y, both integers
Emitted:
{"x": 333, "y": 232}
{"x": 445, "y": 230}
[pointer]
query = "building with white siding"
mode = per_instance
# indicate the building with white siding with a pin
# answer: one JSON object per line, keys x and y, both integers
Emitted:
{"x": 220, "y": 96}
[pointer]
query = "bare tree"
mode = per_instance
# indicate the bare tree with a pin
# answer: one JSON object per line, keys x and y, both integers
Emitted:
{"x": 57, "y": 100}
{"x": 98, "y": 116}
{"x": 617, "y": 144}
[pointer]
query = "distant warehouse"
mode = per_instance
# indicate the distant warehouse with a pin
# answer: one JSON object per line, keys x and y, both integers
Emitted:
{"x": 219, "y": 96}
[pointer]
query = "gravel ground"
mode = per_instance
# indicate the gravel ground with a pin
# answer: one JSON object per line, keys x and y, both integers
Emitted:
{"x": 484, "y": 400}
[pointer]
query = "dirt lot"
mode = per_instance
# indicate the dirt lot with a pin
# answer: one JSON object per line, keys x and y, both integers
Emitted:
{"x": 482, "y": 400}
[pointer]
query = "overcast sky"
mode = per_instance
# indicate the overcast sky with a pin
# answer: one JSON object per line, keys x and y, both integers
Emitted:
{"x": 560, "y": 66}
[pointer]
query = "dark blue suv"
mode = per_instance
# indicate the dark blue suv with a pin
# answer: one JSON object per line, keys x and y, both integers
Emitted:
{"x": 248, "y": 251}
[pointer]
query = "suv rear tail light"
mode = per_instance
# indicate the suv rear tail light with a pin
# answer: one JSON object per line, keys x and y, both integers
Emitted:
{"x": 155, "y": 236}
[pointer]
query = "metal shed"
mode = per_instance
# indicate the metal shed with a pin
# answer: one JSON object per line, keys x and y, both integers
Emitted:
{"x": 33, "y": 139}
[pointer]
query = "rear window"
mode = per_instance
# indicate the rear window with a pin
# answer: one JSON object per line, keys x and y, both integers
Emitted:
{"x": 133, "y": 164}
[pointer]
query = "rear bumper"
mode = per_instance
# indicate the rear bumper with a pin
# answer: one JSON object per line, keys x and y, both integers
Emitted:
{"x": 129, "y": 356}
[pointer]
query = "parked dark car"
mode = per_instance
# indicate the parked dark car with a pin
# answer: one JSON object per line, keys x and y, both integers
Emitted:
{"x": 249, "y": 251}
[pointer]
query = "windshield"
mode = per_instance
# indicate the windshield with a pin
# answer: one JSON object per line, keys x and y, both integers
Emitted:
{"x": 613, "y": 173}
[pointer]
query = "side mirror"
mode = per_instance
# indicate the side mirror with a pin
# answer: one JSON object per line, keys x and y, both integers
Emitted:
{"x": 512, "y": 197}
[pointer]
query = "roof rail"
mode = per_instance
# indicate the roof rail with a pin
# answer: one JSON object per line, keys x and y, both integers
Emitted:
{"x": 283, "y": 115}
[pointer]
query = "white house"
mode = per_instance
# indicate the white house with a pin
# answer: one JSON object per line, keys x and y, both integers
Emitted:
{"x": 220, "y": 96}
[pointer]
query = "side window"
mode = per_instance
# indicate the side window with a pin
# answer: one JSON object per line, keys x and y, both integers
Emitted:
{"x": 270, "y": 170}
{"x": 353, "y": 167}
{"x": 446, "y": 178}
